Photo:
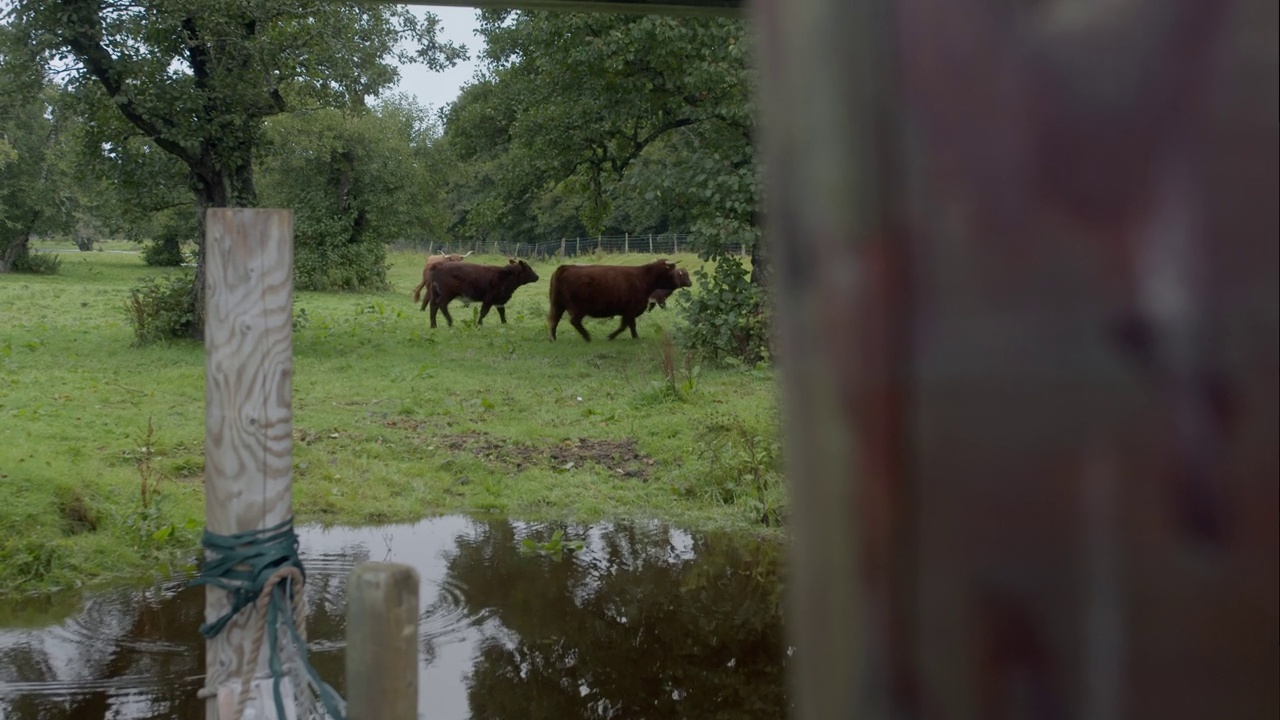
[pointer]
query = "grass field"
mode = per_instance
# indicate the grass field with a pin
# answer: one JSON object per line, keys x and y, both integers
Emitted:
{"x": 393, "y": 421}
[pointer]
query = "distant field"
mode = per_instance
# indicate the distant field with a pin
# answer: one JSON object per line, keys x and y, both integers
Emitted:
{"x": 392, "y": 421}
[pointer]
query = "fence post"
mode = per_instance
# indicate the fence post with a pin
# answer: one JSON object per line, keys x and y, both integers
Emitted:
{"x": 248, "y": 418}
{"x": 626, "y": 243}
{"x": 382, "y": 642}
{"x": 675, "y": 244}
{"x": 599, "y": 239}
{"x": 579, "y": 242}
{"x": 650, "y": 243}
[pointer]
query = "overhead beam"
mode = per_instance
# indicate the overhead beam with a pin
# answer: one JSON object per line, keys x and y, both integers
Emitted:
{"x": 711, "y": 8}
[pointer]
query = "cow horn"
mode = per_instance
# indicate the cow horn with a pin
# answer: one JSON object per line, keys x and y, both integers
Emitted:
{"x": 469, "y": 252}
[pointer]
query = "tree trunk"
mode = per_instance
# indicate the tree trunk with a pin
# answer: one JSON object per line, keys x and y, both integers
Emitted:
{"x": 760, "y": 268}
{"x": 16, "y": 251}
{"x": 214, "y": 187}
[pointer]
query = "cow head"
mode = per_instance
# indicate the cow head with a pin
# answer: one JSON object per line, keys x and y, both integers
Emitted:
{"x": 670, "y": 276}
{"x": 523, "y": 273}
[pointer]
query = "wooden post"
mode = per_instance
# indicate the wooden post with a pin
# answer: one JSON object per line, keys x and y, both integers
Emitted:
{"x": 650, "y": 243}
{"x": 579, "y": 243}
{"x": 562, "y": 248}
{"x": 626, "y": 243}
{"x": 248, "y": 414}
{"x": 599, "y": 243}
{"x": 675, "y": 244}
{"x": 382, "y": 642}
{"x": 1028, "y": 341}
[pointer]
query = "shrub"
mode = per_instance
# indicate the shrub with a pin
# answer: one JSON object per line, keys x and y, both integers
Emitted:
{"x": 725, "y": 319}
{"x": 25, "y": 261}
{"x": 160, "y": 308}
{"x": 742, "y": 465}
{"x": 163, "y": 252}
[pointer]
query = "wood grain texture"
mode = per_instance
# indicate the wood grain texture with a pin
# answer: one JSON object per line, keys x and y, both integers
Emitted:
{"x": 248, "y": 401}
{"x": 382, "y": 642}
{"x": 1029, "y": 324}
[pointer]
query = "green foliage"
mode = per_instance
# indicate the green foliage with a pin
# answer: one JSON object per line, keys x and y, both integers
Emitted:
{"x": 726, "y": 319}
{"x": 33, "y": 140}
{"x": 743, "y": 465}
{"x": 159, "y": 309}
{"x": 590, "y": 123}
{"x": 553, "y": 548}
{"x": 357, "y": 181}
{"x": 196, "y": 81}
{"x": 569, "y": 132}
{"x": 163, "y": 252}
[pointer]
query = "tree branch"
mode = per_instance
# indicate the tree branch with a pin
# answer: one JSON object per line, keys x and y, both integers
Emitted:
{"x": 85, "y": 40}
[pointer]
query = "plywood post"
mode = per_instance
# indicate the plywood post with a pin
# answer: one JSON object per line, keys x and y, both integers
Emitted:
{"x": 248, "y": 414}
{"x": 382, "y": 642}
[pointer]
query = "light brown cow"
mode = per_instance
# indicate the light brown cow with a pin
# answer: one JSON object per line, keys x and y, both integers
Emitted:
{"x": 432, "y": 261}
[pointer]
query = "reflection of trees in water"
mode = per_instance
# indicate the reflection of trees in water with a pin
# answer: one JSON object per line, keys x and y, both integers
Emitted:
{"x": 156, "y": 644}
{"x": 629, "y": 629}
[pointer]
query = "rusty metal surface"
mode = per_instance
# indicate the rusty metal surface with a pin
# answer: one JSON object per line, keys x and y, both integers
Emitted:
{"x": 1030, "y": 321}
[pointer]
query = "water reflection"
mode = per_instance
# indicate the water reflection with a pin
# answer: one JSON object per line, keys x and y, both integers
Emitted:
{"x": 644, "y": 622}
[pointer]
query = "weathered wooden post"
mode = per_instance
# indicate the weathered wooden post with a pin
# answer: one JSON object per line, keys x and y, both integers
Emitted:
{"x": 578, "y": 241}
{"x": 650, "y": 243}
{"x": 382, "y": 642}
{"x": 1029, "y": 310}
{"x": 248, "y": 420}
{"x": 562, "y": 247}
{"x": 626, "y": 243}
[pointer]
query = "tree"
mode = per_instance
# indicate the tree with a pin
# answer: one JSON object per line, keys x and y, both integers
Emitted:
{"x": 358, "y": 180}
{"x": 31, "y": 196}
{"x": 624, "y": 120}
{"x": 198, "y": 77}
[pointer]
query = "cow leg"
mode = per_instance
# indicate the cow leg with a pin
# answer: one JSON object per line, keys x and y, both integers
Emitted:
{"x": 502, "y": 314}
{"x": 652, "y": 305}
{"x": 576, "y": 321}
{"x": 553, "y": 319}
{"x": 444, "y": 308}
{"x": 426, "y": 298}
{"x": 631, "y": 323}
{"x": 621, "y": 326}
{"x": 484, "y": 310}
{"x": 434, "y": 307}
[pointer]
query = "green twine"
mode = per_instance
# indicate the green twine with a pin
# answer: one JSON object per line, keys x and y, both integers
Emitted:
{"x": 241, "y": 564}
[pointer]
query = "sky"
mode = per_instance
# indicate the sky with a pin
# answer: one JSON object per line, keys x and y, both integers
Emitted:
{"x": 438, "y": 89}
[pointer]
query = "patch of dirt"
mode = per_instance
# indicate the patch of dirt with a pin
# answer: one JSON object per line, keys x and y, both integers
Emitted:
{"x": 621, "y": 457}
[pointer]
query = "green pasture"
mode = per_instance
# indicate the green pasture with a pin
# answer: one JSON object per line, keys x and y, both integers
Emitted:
{"x": 393, "y": 421}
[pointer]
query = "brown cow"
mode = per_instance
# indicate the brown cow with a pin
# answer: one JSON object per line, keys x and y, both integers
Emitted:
{"x": 659, "y": 297}
{"x": 602, "y": 291}
{"x": 432, "y": 261}
{"x": 491, "y": 285}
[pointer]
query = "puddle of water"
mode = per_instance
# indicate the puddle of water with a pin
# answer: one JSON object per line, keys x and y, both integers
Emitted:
{"x": 646, "y": 621}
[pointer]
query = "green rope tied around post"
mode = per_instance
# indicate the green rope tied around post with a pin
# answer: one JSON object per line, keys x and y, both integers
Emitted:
{"x": 245, "y": 565}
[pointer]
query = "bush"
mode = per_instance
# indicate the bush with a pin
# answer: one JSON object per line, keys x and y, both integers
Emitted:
{"x": 164, "y": 252}
{"x": 25, "y": 261}
{"x": 161, "y": 309}
{"x": 726, "y": 318}
{"x": 742, "y": 465}
{"x": 39, "y": 264}
{"x": 333, "y": 263}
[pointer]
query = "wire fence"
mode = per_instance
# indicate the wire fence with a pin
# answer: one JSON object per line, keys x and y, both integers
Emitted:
{"x": 653, "y": 244}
